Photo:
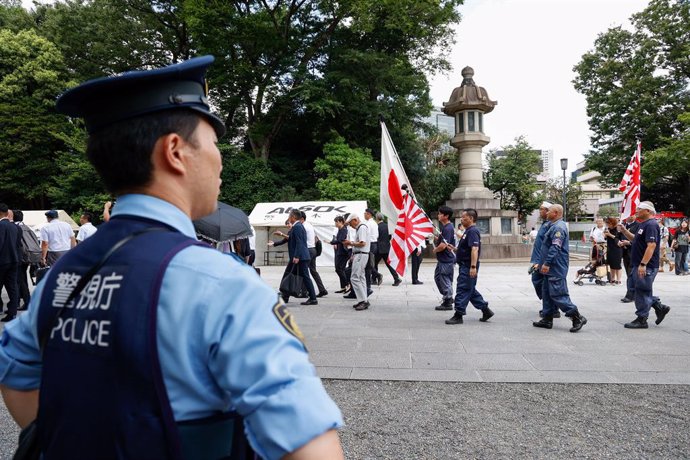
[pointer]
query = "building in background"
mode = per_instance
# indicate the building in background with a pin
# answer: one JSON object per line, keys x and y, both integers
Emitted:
{"x": 441, "y": 121}
{"x": 594, "y": 194}
{"x": 545, "y": 164}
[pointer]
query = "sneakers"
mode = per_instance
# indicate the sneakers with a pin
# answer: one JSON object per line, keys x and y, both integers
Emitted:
{"x": 456, "y": 319}
{"x": 486, "y": 314}
{"x": 447, "y": 304}
{"x": 578, "y": 322}
{"x": 638, "y": 323}
{"x": 310, "y": 302}
{"x": 546, "y": 322}
{"x": 361, "y": 306}
{"x": 661, "y": 312}
{"x": 397, "y": 282}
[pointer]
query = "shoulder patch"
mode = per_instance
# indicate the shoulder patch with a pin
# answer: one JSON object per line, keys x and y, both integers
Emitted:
{"x": 287, "y": 320}
{"x": 558, "y": 234}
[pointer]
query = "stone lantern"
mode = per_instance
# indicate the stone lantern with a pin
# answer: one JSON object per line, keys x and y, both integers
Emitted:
{"x": 468, "y": 104}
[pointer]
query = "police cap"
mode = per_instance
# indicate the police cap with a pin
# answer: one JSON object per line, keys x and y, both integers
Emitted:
{"x": 104, "y": 101}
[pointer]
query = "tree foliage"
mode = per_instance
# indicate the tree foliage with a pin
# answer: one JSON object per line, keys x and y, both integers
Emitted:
{"x": 347, "y": 173}
{"x": 441, "y": 170}
{"x": 638, "y": 82}
{"x": 512, "y": 177}
{"x": 553, "y": 193}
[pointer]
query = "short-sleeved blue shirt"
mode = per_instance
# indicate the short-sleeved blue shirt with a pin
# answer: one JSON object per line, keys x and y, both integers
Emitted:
{"x": 647, "y": 232}
{"x": 470, "y": 239}
{"x": 220, "y": 342}
{"x": 448, "y": 237}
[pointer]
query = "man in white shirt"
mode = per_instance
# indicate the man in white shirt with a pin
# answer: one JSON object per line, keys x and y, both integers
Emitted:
{"x": 361, "y": 247}
{"x": 87, "y": 229}
{"x": 56, "y": 239}
{"x": 373, "y": 276}
{"x": 311, "y": 245}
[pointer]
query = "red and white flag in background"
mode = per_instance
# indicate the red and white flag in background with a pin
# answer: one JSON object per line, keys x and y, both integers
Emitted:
{"x": 630, "y": 185}
{"x": 412, "y": 225}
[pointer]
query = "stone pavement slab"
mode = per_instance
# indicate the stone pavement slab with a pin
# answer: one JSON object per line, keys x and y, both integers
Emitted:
{"x": 402, "y": 337}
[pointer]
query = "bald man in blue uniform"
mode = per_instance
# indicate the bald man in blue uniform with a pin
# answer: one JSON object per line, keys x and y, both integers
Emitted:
{"x": 553, "y": 264}
{"x": 144, "y": 342}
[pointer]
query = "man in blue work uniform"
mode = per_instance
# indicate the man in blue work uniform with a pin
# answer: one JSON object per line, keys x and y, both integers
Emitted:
{"x": 469, "y": 250}
{"x": 537, "y": 277}
{"x": 644, "y": 261}
{"x": 145, "y": 343}
{"x": 553, "y": 264}
{"x": 445, "y": 258}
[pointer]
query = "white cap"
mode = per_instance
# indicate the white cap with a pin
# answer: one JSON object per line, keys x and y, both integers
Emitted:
{"x": 352, "y": 216}
{"x": 648, "y": 205}
{"x": 546, "y": 205}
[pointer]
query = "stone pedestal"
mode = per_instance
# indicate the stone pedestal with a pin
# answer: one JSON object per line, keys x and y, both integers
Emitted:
{"x": 500, "y": 236}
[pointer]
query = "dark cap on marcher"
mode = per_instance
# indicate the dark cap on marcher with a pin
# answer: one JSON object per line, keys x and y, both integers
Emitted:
{"x": 52, "y": 214}
{"x": 108, "y": 100}
{"x": 370, "y": 211}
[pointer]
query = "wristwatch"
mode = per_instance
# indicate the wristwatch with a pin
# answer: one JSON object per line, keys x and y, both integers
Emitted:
{"x": 642, "y": 265}
{"x": 473, "y": 266}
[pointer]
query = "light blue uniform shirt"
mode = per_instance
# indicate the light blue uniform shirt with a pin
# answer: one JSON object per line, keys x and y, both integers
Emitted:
{"x": 221, "y": 346}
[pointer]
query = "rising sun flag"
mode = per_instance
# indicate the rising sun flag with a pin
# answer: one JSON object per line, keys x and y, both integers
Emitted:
{"x": 412, "y": 225}
{"x": 630, "y": 185}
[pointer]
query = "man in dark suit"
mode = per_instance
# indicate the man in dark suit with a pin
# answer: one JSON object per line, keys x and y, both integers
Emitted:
{"x": 9, "y": 261}
{"x": 384, "y": 247}
{"x": 299, "y": 253}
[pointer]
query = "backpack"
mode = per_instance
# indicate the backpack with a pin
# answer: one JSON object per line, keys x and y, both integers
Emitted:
{"x": 31, "y": 249}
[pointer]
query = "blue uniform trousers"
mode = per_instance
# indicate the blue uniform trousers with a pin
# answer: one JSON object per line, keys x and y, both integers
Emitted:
{"x": 555, "y": 297}
{"x": 644, "y": 297}
{"x": 443, "y": 276}
{"x": 538, "y": 283}
{"x": 466, "y": 291}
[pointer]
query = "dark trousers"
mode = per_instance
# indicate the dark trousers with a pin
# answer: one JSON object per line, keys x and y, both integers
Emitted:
{"x": 378, "y": 258}
{"x": 23, "y": 284}
{"x": 252, "y": 257}
{"x": 416, "y": 262}
{"x": 466, "y": 291}
{"x": 340, "y": 264}
{"x": 303, "y": 271}
{"x": 443, "y": 276}
{"x": 629, "y": 282}
{"x": 373, "y": 267}
{"x": 314, "y": 273}
{"x": 555, "y": 297}
{"x": 8, "y": 279}
{"x": 680, "y": 261}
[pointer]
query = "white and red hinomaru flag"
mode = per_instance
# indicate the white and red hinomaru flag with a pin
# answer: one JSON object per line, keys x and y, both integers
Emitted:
{"x": 392, "y": 178}
{"x": 630, "y": 185}
{"x": 412, "y": 227}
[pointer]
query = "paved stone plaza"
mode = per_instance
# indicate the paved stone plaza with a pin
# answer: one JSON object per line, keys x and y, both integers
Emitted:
{"x": 402, "y": 337}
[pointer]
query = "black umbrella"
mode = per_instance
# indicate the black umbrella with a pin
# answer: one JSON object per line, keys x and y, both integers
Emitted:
{"x": 226, "y": 224}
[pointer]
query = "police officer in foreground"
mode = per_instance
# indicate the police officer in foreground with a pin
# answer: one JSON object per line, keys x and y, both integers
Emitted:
{"x": 144, "y": 342}
{"x": 553, "y": 265}
{"x": 537, "y": 276}
{"x": 469, "y": 250}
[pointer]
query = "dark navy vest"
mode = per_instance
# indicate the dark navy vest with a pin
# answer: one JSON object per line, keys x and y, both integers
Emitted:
{"x": 102, "y": 391}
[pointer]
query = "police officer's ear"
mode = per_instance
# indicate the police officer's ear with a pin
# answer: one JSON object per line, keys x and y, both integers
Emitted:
{"x": 171, "y": 154}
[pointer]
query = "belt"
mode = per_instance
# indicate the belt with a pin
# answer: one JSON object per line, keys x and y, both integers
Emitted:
{"x": 355, "y": 253}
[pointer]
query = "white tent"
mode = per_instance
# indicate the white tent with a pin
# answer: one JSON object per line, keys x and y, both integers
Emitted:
{"x": 269, "y": 217}
{"x": 37, "y": 220}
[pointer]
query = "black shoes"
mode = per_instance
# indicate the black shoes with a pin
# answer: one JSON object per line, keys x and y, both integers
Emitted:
{"x": 661, "y": 312}
{"x": 397, "y": 282}
{"x": 486, "y": 315}
{"x": 447, "y": 304}
{"x": 379, "y": 279}
{"x": 8, "y": 318}
{"x": 417, "y": 282}
{"x": 546, "y": 322}
{"x": 638, "y": 323}
{"x": 369, "y": 292}
{"x": 322, "y": 294}
{"x": 351, "y": 295}
{"x": 310, "y": 302}
{"x": 362, "y": 306}
{"x": 555, "y": 315}
{"x": 578, "y": 322}
{"x": 341, "y": 291}
{"x": 456, "y": 319}
{"x": 626, "y": 300}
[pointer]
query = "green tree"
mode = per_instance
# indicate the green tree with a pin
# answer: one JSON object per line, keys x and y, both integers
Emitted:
{"x": 246, "y": 180}
{"x": 637, "y": 81}
{"x": 347, "y": 173}
{"x": 13, "y": 16}
{"x": 32, "y": 74}
{"x": 553, "y": 193}
{"x": 512, "y": 177}
{"x": 669, "y": 166}
{"x": 441, "y": 170}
